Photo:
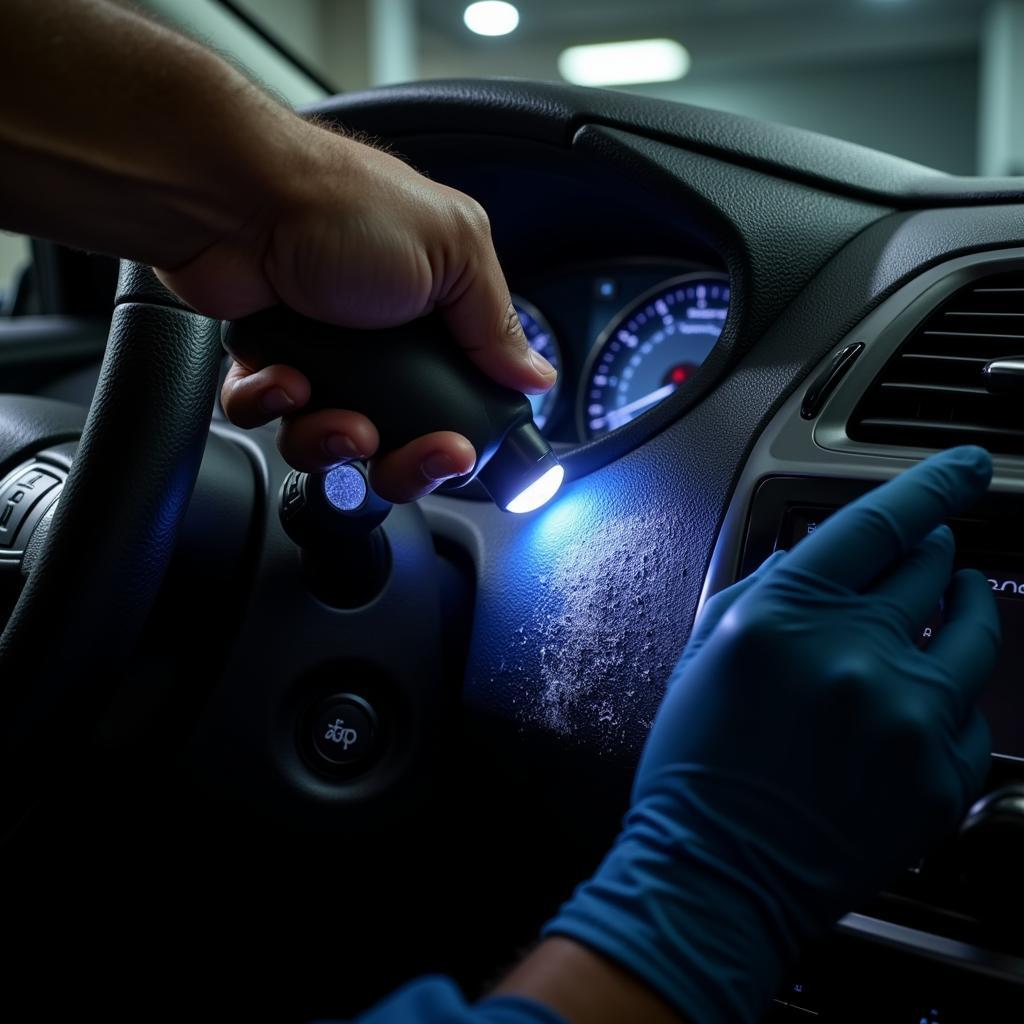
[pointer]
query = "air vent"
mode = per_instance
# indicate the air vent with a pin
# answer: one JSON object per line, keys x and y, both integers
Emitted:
{"x": 931, "y": 394}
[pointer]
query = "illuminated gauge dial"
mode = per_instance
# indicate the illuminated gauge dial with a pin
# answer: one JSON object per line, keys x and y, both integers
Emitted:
{"x": 650, "y": 349}
{"x": 542, "y": 339}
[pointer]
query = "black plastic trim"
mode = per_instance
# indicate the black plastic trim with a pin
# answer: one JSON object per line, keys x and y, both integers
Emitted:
{"x": 552, "y": 112}
{"x": 258, "y": 28}
{"x": 825, "y": 383}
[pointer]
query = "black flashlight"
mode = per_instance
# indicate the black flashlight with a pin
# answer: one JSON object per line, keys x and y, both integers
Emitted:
{"x": 411, "y": 380}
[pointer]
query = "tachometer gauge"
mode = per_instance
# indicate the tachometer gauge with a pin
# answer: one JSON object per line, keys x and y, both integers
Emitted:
{"x": 542, "y": 339}
{"x": 650, "y": 349}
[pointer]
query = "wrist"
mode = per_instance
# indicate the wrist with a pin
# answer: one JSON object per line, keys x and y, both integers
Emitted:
{"x": 583, "y": 987}
{"x": 710, "y": 929}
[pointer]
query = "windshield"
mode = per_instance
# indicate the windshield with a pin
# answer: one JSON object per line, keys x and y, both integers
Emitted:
{"x": 932, "y": 81}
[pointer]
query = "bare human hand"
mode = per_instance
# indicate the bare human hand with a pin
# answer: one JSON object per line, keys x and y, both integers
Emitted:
{"x": 360, "y": 239}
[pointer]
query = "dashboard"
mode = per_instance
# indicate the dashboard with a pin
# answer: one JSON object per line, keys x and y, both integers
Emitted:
{"x": 743, "y": 316}
{"x": 624, "y": 336}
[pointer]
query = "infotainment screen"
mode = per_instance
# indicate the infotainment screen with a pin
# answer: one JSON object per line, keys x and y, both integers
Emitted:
{"x": 1003, "y": 700}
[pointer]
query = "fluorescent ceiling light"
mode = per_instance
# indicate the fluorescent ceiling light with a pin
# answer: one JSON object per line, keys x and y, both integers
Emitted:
{"x": 491, "y": 18}
{"x": 628, "y": 63}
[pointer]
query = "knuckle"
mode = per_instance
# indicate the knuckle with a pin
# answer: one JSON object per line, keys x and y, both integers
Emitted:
{"x": 715, "y": 605}
{"x": 908, "y": 730}
{"x": 473, "y": 217}
{"x": 853, "y": 669}
{"x": 758, "y": 635}
{"x": 851, "y": 682}
{"x": 874, "y": 521}
{"x": 292, "y": 448}
{"x": 511, "y": 328}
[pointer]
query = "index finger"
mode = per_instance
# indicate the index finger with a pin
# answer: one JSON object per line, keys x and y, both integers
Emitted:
{"x": 866, "y": 537}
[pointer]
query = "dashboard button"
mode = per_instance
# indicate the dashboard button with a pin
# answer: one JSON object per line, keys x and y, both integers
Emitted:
{"x": 18, "y": 498}
{"x": 343, "y": 731}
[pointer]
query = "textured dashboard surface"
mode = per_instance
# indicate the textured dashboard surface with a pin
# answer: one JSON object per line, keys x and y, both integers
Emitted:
{"x": 583, "y": 609}
{"x": 553, "y": 113}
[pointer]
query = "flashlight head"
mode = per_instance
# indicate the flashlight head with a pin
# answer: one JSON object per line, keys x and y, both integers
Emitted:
{"x": 524, "y": 473}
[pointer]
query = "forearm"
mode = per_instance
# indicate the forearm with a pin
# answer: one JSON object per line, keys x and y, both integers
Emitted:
{"x": 121, "y": 136}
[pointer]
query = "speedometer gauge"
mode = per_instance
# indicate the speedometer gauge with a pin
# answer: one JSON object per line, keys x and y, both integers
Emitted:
{"x": 650, "y": 349}
{"x": 542, "y": 339}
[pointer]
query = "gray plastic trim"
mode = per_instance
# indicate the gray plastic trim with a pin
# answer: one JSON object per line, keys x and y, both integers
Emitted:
{"x": 791, "y": 445}
{"x": 935, "y": 947}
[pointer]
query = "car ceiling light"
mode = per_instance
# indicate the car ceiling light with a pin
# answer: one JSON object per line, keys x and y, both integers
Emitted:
{"x": 491, "y": 18}
{"x": 627, "y": 63}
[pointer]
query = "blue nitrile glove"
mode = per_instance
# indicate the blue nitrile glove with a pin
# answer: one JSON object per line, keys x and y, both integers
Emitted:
{"x": 438, "y": 1000}
{"x": 805, "y": 753}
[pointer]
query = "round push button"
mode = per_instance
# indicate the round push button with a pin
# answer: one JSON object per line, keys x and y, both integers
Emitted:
{"x": 344, "y": 730}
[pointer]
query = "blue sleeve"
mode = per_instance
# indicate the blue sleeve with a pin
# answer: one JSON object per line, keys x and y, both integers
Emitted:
{"x": 439, "y": 1001}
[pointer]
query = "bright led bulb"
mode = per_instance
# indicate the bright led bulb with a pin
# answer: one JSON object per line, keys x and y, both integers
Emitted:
{"x": 540, "y": 492}
{"x": 629, "y": 63}
{"x": 491, "y": 18}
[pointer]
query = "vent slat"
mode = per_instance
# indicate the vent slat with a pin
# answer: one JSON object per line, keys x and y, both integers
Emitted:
{"x": 945, "y": 389}
{"x": 946, "y": 428}
{"x": 972, "y": 335}
{"x": 987, "y": 312}
{"x": 932, "y": 394}
{"x": 979, "y": 361}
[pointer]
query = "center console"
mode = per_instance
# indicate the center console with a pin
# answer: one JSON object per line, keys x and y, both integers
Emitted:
{"x": 944, "y": 942}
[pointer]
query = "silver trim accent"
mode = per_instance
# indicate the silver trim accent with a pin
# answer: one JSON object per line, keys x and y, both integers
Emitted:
{"x": 935, "y": 947}
{"x": 1004, "y": 375}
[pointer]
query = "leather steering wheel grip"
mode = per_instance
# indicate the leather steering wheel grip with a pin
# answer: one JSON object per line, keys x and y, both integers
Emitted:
{"x": 82, "y": 608}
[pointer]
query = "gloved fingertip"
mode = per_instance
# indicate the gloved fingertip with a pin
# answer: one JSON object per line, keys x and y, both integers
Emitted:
{"x": 973, "y": 458}
{"x": 942, "y": 536}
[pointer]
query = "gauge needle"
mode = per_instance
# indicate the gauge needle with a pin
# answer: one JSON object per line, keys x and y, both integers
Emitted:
{"x": 617, "y": 417}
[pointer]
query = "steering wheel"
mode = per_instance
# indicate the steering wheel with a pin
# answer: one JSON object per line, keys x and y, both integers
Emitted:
{"x": 111, "y": 534}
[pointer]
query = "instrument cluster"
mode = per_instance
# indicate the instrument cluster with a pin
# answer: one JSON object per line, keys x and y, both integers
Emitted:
{"x": 623, "y": 337}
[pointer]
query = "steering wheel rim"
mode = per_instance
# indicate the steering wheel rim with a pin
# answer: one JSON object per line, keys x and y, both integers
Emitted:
{"x": 114, "y": 529}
